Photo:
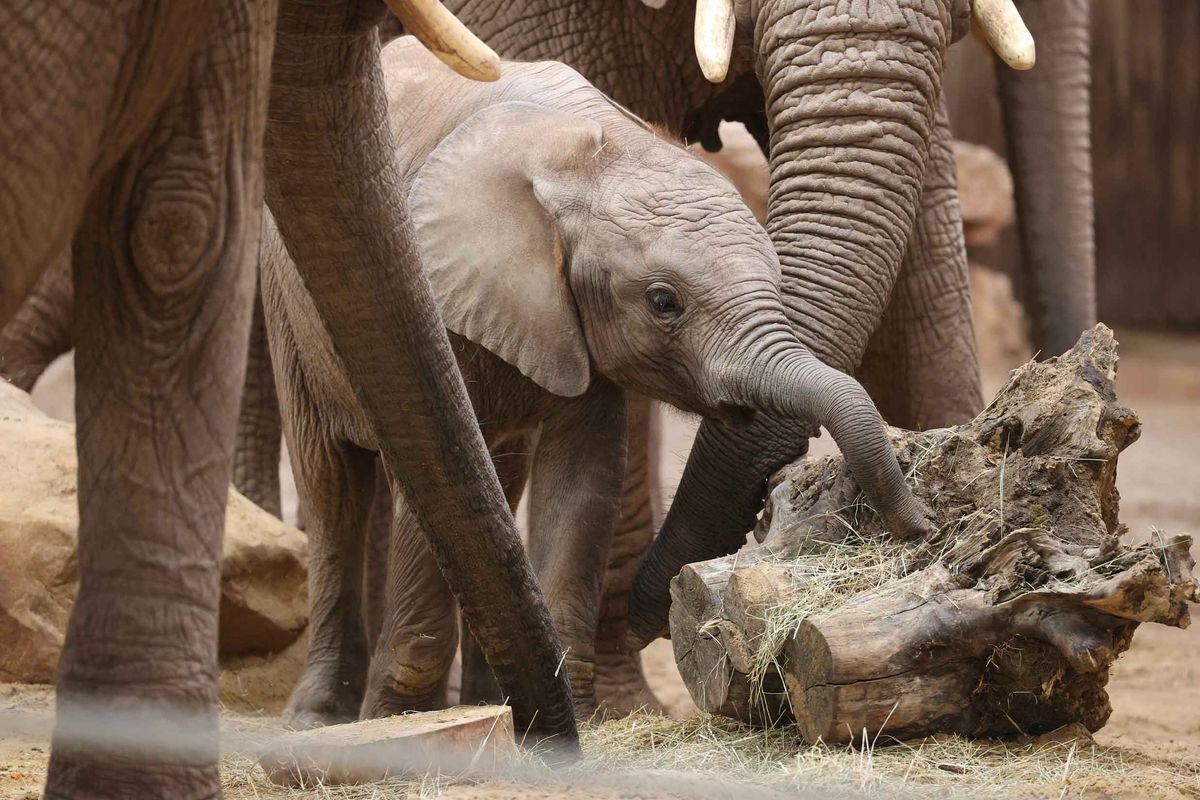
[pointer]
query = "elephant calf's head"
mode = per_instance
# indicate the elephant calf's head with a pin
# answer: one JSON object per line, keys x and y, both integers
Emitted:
{"x": 568, "y": 246}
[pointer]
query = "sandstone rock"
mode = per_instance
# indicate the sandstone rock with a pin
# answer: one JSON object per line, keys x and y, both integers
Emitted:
{"x": 264, "y": 604}
{"x": 1001, "y": 330}
{"x": 740, "y": 160}
{"x": 985, "y": 192}
{"x": 264, "y": 581}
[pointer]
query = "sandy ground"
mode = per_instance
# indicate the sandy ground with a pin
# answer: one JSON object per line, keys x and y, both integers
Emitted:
{"x": 1155, "y": 687}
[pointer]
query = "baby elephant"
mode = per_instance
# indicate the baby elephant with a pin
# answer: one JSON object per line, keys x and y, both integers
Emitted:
{"x": 574, "y": 255}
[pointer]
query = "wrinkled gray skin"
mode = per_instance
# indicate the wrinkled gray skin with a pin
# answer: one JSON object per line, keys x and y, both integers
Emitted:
{"x": 889, "y": 298}
{"x": 845, "y": 99}
{"x": 574, "y": 255}
{"x": 135, "y": 133}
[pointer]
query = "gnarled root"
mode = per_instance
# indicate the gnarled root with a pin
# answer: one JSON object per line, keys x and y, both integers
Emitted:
{"x": 1004, "y": 622}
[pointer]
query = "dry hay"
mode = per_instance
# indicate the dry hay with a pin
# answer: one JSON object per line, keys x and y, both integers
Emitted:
{"x": 823, "y": 579}
{"x": 710, "y": 756}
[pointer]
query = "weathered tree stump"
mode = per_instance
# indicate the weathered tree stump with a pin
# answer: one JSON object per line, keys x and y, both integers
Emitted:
{"x": 1004, "y": 621}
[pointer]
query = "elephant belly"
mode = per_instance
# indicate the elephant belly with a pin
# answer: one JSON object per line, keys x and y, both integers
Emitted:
{"x": 305, "y": 359}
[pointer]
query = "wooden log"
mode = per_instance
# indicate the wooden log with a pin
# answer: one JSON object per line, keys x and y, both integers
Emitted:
{"x": 459, "y": 740}
{"x": 1004, "y": 622}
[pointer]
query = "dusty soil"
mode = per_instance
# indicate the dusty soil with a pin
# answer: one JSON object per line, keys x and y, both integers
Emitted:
{"x": 1155, "y": 687}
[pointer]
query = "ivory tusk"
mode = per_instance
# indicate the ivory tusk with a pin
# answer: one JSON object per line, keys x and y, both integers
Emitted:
{"x": 714, "y": 37}
{"x": 655, "y": 4}
{"x": 1005, "y": 31}
{"x": 447, "y": 38}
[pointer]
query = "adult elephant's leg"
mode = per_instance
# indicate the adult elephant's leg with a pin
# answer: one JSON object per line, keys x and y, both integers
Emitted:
{"x": 82, "y": 83}
{"x": 259, "y": 429}
{"x": 334, "y": 187}
{"x": 419, "y": 636}
{"x": 511, "y": 457}
{"x": 620, "y": 684}
{"x": 1047, "y": 120}
{"x": 40, "y": 331}
{"x": 162, "y": 274}
{"x": 336, "y": 483}
{"x": 478, "y": 683}
{"x": 719, "y": 505}
{"x": 921, "y": 365}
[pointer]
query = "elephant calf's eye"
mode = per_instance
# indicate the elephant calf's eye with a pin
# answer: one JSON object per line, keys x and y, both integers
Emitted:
{"x": 664, "y": 301}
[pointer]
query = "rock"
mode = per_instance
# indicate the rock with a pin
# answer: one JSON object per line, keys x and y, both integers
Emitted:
{"x": 985, "y": 192}
{"x": 264, "y": 581}
{"x": 261, "y": 684}
{"x": 740, "y": 160}
{"x": 264, "y": 605}
{"x": 1001, "y": 330}
{"x": 452, "y": 741}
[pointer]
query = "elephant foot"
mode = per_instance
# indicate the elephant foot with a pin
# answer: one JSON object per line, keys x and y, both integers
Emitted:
{"x": 621, "y": 687}
{"x": 123, "y": 746}
{"x": 321, "y": 699}
{"x": 581, "y": 674}
{"x": 77, "y": 778}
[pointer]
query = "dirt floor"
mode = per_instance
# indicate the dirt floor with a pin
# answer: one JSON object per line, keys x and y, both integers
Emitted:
{"x": 1150, "y": 748}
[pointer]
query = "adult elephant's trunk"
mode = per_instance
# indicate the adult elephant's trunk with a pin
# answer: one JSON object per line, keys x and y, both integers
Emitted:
{"x": 851, "y": 104}
{"x": 1046, "y": 116}
{"x": 334, "y": 189}
{"x": 851, "y": 98}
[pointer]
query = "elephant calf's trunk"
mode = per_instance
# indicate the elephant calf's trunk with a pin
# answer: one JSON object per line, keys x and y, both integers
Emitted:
{"x": 802, "y": 386}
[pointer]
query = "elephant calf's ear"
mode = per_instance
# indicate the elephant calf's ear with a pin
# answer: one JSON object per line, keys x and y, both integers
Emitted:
{"x": 491, "y": 247}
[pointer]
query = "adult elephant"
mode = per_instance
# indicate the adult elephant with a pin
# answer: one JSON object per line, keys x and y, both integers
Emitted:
{"x": 845, "y": 100}
{"x": 135, "y": 132}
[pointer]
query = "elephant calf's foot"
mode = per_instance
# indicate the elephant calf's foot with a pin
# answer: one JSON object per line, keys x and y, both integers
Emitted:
{"x": 620, "y": 686}
{"x": 322, "y": 699}
{"x": 581, "y": 674}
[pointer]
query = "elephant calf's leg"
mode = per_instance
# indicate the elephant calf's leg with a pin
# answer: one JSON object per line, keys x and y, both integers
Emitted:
{"x": 419, "y": 636}
{"x": 336, "y": 482}
{"x": 620, "y": 684}
{"x": 260, "y": 429}
{"x": 375, "y": 560}
{"x": 578, "y": 468}
{"x": 511, "y": 459}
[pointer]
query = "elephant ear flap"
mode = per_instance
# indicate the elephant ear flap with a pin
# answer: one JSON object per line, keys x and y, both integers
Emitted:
{"x": 486, "y": 209}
